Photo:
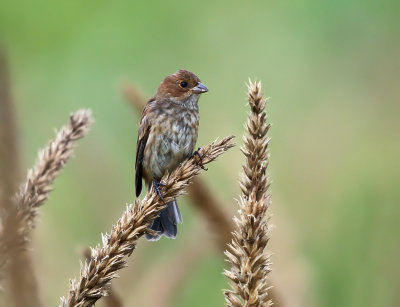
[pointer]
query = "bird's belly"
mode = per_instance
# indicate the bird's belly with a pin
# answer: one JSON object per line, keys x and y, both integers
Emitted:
{"x": 172, "y": 147}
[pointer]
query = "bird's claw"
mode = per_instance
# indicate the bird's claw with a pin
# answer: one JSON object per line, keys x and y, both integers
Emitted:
{"x": 156, "y": 187}
{"x": 197, "y": 153}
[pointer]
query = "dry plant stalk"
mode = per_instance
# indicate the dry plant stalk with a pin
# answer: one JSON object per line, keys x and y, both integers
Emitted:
{"x": 211, "y": 207}
{"x": 250, "y": 264}
{"x": 9, "y": 154}
{"x": 38, "y": 184}
{"x": 9, "y": 161}
{"x": 200, "y": 194}
{"x": 97, "y": 273}
{"x": 23, "y": 285}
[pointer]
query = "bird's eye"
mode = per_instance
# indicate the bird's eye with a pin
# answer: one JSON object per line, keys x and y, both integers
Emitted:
{"x": 183, "y": 84}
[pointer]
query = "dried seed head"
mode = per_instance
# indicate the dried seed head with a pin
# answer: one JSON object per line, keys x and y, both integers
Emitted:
{"x": 249, "y": 262}
{"x": 38, "y": 184}
{"x": 105, "y": 261}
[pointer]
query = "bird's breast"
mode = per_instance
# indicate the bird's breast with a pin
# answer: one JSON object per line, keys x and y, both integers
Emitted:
{"x": 174, "y": 139}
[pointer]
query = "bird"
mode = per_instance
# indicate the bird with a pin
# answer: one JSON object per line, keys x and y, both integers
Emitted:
{"x": 167, "y": 136}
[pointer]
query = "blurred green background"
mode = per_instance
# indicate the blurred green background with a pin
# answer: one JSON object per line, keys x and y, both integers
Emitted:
{"x": 331, "y": 69}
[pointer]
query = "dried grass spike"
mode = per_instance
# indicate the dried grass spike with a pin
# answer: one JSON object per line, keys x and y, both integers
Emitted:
{"x": 250, "y": 264}
{"x": 38, "y": 184}
{"x": 50, "y": 161}
{"x": 105, "y": 261}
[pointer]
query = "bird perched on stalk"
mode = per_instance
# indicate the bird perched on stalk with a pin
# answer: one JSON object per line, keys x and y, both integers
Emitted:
{"x": 167, "y": 136}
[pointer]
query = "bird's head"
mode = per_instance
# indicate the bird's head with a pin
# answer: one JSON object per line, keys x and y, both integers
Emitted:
{"x": 181, "y": 86}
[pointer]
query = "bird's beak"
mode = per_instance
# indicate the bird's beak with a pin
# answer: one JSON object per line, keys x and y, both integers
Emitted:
{"x": 200, "y": 88}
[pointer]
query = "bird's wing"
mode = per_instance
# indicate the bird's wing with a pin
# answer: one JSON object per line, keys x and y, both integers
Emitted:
{"x": 143, "y": 135}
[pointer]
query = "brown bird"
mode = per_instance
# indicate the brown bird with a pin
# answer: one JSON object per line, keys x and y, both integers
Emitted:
{"x": 167, "y": 136}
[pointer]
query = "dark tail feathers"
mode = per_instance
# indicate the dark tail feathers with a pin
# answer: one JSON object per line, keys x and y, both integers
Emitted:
{"x": 166, "y": 223}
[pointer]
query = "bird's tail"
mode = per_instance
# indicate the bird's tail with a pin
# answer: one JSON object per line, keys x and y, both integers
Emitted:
{"x": 166, "y": 223}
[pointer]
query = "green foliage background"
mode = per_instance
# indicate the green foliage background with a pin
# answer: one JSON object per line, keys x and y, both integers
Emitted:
{"x": 331, "y": 69}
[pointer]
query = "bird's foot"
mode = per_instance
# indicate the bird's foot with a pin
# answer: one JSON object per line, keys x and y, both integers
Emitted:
{"x": 197, "y": 153}
{"x": 156, "y": 187}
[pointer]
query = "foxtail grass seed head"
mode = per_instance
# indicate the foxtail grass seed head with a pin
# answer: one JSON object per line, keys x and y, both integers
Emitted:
{"x": 249, "y": 262}
{"x": 97, "y": 273}
{"x": 50, "y": 161}
{"x": 38, "y": 185}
